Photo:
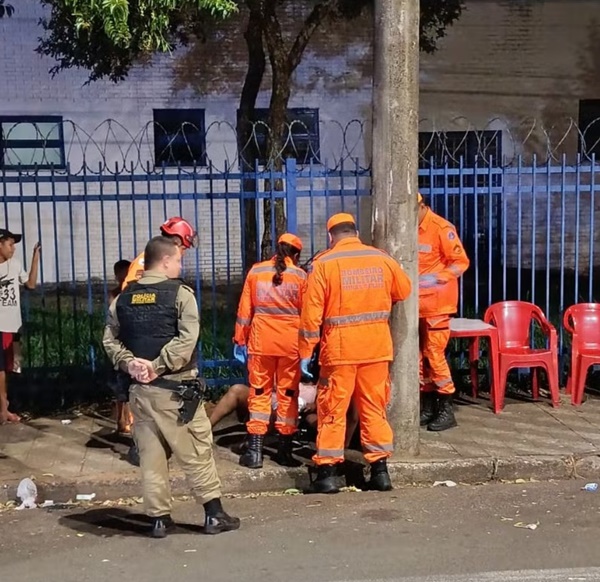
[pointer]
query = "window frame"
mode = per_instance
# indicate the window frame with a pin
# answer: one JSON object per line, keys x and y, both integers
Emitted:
{"x": 202, "y": 162}
{"x": 16, "y": 144}
{"x": 293, "y": 114}
{"x": 589, "y": 120}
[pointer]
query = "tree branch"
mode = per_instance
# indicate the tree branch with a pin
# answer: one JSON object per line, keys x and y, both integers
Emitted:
{"x": 319, "y": 14}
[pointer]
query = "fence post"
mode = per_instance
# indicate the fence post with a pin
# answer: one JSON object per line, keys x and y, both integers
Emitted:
{"x": 395, "y": 172}
{"x": 290, "y": 195}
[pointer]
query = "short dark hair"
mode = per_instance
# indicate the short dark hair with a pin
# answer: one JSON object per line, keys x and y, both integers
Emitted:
{"x": 157, "y": 248}
{"x": 121, "y": 265}
{"x": 343, "y": 228}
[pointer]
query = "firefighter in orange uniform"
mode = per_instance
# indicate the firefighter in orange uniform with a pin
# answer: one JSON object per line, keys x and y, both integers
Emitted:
{"x": 442, "y": 260}
{"x": 266, "y": 336}
{"x": 350, "y": 294}
{"x": 185, "y": 236}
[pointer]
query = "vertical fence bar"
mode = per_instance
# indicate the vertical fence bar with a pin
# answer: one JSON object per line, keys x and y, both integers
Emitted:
{"x": 592, "y": 221}
{"x": 291, "y": 195}
{"x": 198, "y": 273}
{"x": 462, "y": 213}
{"x": 490, "y": 241}
{"x": 163, "y": 180}
{"x": 25, "y": 262}
{"x": 90, "y": 301}
{"x": 118, "y": 208}
{"x": 257, "y": 199}
{"x": 4, "y": 196}
{"x": 563, "y": 200}
{"x": 504, "y": 242}
{"x": 533, "y": 225}
{"x": 476, "y": 230}
{"x": 357, "y": 190}
{"x": 577, "y": 224}
{"x": 76, "y": 334}
{"x": 150, "y": 178}
{"x": 59, "y": 321}
{"x": 311, "y": 210}
{"x": 519, "y": 227}
{"x": 211, "y": 196}
{"x": 42, "y": 271}
{"x": 103, "y": 236}
{"x": 133, "y": 209}
{"x": 548, "y": 231}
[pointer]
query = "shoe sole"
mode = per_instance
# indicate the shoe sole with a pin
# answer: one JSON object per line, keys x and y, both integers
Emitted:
{"x": 214, "y": 530}
{"x": 442, "y": 429}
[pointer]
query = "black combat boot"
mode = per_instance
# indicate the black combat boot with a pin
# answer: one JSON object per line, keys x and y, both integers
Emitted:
{"x": 325, "y": 481}
{"x": 216, "y": 521}
{"x": 284, "y": 455}
{"x": 253, "y": 457}
{"x": 161, "y": 526}
{"x": 428, "y": 407}
{"x": 380, "y": 478}
{"x": 445, "y": 417}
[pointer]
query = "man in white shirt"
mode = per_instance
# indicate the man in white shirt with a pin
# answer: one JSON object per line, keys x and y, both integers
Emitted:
{"x": 12, "y": 276}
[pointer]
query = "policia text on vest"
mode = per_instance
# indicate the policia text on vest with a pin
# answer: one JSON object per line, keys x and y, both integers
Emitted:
{"x": 156, "y": 321}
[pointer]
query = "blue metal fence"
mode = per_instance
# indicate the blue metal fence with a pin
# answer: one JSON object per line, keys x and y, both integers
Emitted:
{"x": 529, "y": 230}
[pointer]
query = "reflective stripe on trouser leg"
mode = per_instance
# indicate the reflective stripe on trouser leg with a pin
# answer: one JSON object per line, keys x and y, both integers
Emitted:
{"x": 334, "y": 393}
{"x": 288, "y": 383}
{"x": 437, "y": 336}
{"x": 425, "y": 383}
{"x": 154, "y": 465}
{"x": 371, "y": 398}
{"x": 261, "y": 375}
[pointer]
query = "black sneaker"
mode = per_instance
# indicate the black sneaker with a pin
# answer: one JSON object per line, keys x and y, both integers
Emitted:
{"x": 161, "y": 526}
{"x": 220, "y": 522}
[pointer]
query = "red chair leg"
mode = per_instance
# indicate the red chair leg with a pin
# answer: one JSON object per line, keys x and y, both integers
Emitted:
{"x": 579, "y": 389}
{"x": 494, "y": 362}
{"x": 554, "y": 382}
{"x": 573, "y": 382}
{"x": 503, "y": 375}
{"x": 473, "y": 365}
{"x": 535, "y": 388}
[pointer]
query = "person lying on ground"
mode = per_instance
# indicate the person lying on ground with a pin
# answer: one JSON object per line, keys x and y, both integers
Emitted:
{"x": 236, "y": 400}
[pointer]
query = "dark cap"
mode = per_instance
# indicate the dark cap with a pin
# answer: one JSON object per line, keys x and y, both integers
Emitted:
{"x": 7, "y": 234}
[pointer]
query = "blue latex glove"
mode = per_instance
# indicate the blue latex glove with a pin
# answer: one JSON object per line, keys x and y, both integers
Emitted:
{"x": 428, "y": 281}
{"x": 240, "y": 353}
{"x": 304, "y": 368}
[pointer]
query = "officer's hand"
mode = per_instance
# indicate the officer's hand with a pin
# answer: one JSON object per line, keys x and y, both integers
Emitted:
{"x": 149, "y": 374}
{"x": 428, "y": 281}
{"x": 304, "y": 363}
{"x": 137, "y": 370}
{"x": 240, "y": 353}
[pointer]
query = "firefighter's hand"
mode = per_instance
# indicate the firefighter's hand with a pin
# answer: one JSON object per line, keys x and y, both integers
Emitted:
{"x": 304, "y": 363}
{"x": 240, "y": 353}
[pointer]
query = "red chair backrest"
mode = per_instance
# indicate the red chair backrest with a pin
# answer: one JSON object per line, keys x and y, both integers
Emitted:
{"x": 583, "y": 320}
{"x": 513, "y": 321}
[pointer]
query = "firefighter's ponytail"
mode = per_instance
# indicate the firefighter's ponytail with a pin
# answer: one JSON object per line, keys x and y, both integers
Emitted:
{"x": 283, "y": 251}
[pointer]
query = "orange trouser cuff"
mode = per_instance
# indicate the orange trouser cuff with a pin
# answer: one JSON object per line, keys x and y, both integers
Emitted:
{"x": 434, "y": 372}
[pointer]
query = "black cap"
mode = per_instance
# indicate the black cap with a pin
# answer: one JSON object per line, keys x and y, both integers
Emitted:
{"x": 7, "y": 234}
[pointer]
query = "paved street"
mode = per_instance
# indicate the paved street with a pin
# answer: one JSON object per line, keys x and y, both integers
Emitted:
{"x": 432, "y": 534}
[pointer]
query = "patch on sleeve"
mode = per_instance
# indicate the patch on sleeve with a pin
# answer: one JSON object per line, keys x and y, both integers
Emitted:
{"x": 451, "y": 235}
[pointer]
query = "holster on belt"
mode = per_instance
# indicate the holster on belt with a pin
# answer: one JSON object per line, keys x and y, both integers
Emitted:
{"x": 191, "y": 392}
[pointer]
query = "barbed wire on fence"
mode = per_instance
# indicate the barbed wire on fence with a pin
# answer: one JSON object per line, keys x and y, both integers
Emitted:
{"x": 110, "y": 146}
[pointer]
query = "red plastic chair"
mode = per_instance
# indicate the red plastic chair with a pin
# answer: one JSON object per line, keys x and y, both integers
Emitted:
{"x": 582, "y": 321}
{"x": 513, "y": 320}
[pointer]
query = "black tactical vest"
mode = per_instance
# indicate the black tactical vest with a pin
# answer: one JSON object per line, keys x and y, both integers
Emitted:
{"x": 148, "y": 318}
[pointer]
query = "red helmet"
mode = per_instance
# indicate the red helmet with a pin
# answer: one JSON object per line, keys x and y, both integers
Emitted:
{"x": 177, "y": 226}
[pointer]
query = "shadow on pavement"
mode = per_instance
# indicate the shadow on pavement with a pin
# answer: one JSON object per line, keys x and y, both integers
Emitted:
{"x": 115, "y": 521}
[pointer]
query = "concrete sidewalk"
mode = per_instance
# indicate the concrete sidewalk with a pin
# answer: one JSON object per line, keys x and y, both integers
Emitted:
{"x": 528, "y": 440}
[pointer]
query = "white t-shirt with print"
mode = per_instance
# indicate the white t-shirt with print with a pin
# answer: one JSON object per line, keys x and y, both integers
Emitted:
{"x": 12, "y": 276}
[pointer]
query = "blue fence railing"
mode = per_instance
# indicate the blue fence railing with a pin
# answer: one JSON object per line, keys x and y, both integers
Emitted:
{"x": 530, "y": 231}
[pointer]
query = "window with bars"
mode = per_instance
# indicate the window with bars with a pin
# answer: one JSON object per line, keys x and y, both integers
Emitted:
{"x": 301, "y": 138}
{"x": 179, "y": 137}
{"x": 31, "y": 142}
{"x": 476, "y": 149}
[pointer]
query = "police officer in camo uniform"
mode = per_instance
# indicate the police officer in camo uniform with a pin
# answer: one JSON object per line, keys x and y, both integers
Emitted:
{"x": 152, "y": 334}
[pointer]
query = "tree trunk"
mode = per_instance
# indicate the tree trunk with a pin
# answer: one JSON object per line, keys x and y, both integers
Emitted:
{"x": 245, "y": 127}
{"x": 395, "y": 171}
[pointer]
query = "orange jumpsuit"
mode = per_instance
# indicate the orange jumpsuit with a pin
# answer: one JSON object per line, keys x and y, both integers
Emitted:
{"x": 442, "y": 260}
{"x": 350, "y": 293}
{"x": 267, "y": 323}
